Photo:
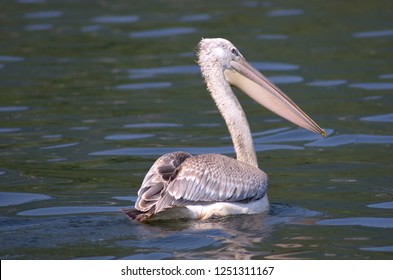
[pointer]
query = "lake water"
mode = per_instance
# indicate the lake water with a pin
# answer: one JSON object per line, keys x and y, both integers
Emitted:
{"x": 92, "y": 94}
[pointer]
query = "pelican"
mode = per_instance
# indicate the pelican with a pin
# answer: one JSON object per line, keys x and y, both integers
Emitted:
{"x": 180, "y": 185}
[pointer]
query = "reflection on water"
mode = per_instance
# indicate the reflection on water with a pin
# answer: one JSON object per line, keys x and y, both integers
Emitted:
{"x": 91, "y": 96}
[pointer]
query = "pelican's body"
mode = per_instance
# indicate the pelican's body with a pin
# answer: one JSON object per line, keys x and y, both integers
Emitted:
{"x": 180, "y": 185}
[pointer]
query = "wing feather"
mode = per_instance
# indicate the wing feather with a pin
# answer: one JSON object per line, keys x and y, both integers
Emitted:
{"x": 209, "y": 178}
{"x": 157, "y": 180}
{"x": 179, "y": 179}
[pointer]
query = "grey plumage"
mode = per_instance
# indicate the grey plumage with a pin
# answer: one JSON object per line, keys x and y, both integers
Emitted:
{"x": 179, "y": 179}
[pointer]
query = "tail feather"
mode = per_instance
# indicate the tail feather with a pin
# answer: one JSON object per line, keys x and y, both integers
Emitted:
{"x": 134, "y": 214}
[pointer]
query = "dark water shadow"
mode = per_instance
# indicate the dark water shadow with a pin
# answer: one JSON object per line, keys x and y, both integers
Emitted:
{"x": 30, "y": 235}
{"x": 229, "y": 237}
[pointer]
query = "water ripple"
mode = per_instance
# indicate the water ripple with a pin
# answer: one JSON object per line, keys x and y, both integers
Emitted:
{"x": 51, "y": 136}
{"x": 95, "y": 258}
{"x": 274, "y": 66}
{"x": 7, "y": 130}
{"x": 31, "y": 1}
{"x": 291, "y": 136}
{"x": 38, "y": 27}
{"x": 197, "y": 17}
{"x": 286, "y": 12}
{"x": 286, "y": 79}
{"x": 14, "y": 198}
{"x": 384, "y": 249}
{"x": 171, "y": 70}
{"x": 128, "y": 136}
{"x": 345, "y": 139}
{"x": 386, "y": 76}
{"x": 90, "y": 28}
{"x": 163, "y": 32}
{"x": 188, "y": 242}
{"x": 8, "y": 58}
{"x": 378, "y": 118}
{"x": 373, "y": 97}
{"x": 131, "y": 198}
{"x": 154, "y": 151}
{"x": 152, "y": 125}
{"x": 372, "y": 86}
{"x": 60, "y": 146}
{"x": 115, "y": 19}
{"x": 138, "y": 86}
{"x": 13, "y": 108}
{"x": 193, "y": 69}
{"x": 327, "y": 83}
{"x": 373, "y": 34}
{"x": 79, "y": 128}
{"x": 383, "y": 205}
{"x": 149, "y": 256}
{"x": 44, "y": 14}
{"x": 67, "y": 210}
{"x": 272, "y": 36}
{"x": 359, "y": 221}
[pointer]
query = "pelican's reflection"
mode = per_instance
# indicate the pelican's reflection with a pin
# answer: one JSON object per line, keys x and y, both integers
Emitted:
{"x": 232, "y": 237}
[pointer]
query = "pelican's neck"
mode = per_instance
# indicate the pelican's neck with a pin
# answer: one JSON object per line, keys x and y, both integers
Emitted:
{"x": 232, "y": 113}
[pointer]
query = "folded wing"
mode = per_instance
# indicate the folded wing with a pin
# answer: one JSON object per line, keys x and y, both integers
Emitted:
{"x": 179, "y": 179}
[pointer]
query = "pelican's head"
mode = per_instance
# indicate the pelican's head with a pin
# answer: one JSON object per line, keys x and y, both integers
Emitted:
{"x": 217, "y": 51}
{"x": 220, "y": 58}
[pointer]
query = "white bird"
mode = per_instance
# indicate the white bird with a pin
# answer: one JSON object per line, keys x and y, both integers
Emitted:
{"x": 180, "y": 185}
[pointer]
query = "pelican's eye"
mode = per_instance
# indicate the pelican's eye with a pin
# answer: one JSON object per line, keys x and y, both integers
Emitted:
{"x": 235, "y": 51}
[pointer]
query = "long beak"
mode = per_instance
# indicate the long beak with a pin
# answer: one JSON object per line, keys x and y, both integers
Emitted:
{"x": 246, "y": 78}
